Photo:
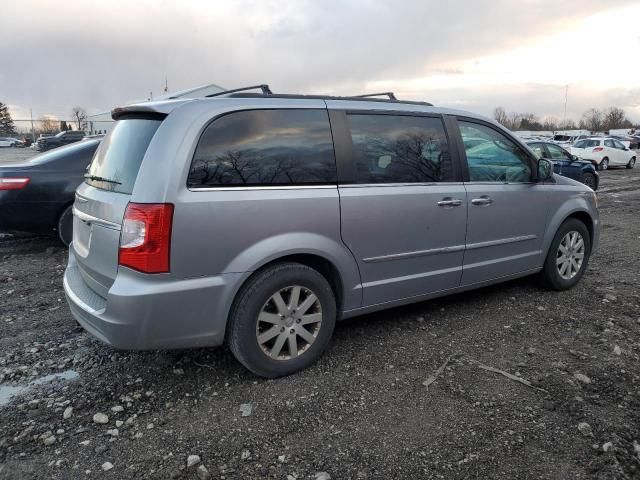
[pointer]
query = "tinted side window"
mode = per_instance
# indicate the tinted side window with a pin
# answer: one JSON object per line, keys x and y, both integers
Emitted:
{"x": 399, "y": 149}
{"x": 538, "y": 149}
{"x": 492, "y": 157}
{"x": 265, "y": 147}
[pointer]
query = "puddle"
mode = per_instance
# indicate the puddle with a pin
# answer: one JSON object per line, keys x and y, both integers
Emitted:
{"x": 9, "y": 392}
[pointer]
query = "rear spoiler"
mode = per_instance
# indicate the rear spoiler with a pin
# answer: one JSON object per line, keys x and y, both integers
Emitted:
{"x": 154, "y": 110}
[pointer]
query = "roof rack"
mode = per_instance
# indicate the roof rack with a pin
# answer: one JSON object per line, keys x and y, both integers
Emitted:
{"x": 327, "y": 97}
{"x": 264, "y": 87}
{"x": 391, "y": 95}
{"x": 266, "y": 92}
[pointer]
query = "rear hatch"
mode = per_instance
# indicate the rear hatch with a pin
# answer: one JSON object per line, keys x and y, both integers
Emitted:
{"x": 101, "y": 200}
{"x": 585, "y": 148}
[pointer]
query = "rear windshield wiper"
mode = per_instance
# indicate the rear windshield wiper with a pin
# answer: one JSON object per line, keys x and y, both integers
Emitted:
{"x": 101, "y": 179}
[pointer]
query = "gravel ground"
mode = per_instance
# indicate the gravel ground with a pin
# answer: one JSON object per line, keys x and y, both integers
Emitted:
{"x": 9, "y": 155}
{"x": 377, "y": 405}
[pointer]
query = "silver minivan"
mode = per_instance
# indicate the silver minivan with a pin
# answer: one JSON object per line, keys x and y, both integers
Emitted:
{"x": 259, "y": 219}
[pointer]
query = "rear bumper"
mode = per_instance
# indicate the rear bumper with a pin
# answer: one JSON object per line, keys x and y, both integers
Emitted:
{"x": 143, "y": 312}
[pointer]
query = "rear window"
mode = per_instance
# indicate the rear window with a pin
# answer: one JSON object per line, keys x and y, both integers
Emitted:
{"x": 561, "y": 138}
{"x": 586, "y": 143}
{"x": 117, "y": 161}
{"x": 265, "y": 147}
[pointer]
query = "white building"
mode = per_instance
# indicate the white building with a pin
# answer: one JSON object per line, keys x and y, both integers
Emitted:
{"x": 103, "y": 123}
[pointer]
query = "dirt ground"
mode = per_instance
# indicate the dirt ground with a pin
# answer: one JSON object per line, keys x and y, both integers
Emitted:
{"x": 363, "y": 411}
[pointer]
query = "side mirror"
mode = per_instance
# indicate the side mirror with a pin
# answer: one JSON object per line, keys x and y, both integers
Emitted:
{"x": 545, "y": 170}
{"x": 575, "y": 157}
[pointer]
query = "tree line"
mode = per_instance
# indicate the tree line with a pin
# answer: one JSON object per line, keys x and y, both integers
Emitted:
{"x": 594, "y": 120}
{"x": 45, "y": 124}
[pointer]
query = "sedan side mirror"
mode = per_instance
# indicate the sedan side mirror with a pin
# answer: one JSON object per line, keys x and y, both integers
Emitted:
{"x": 545, "y": 170}
{"x": 575, "y": 157}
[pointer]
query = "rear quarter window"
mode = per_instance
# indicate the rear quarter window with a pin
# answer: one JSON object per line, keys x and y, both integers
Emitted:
{"x": 117, "y": 162}
{"x": 265, "y": 147}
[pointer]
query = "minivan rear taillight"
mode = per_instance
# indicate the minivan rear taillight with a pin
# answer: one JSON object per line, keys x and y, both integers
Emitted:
{"x": 13, "y": 183}
{"x": 146, "y": 237}
{"x": 598, "y": 149}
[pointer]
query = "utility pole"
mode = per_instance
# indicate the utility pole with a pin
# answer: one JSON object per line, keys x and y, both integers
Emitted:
{"x": 166, "y": 85}
{"x": 33, "y": 135}
{"x": 566, "y": 95}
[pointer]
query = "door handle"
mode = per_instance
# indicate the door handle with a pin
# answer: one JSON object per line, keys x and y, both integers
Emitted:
{"x": 483, "y": 200}
{"x": 450, "y": 202}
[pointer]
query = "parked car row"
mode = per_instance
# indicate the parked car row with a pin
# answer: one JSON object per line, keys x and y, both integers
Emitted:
{"x": 45, "y": 143}
{"x": 566, "y": 164}
{"x": 11, "y": 142}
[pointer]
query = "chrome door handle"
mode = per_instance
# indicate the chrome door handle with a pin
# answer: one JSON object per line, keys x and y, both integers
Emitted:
{"x": 484, "y": 200}
{"x": 450, "y": 202}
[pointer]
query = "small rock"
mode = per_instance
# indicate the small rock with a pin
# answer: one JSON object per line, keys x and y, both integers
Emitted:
{"x": 106, "y": 466}
{"x": 150, "y": 426}
{"x": 117, "y": 408}
{"x": 178, "y": 371}
{"x": 585, "y": 429}
{"x": 119, "y": 423}
{"x": 611, "y": 297}
{"x": 100, "y": 449}
{"x": 420, "y": 319}
{"x": 49, "y": 440}
{"x": 281, "y": 458}
{"x": 581, "y": 378}
{"x": 541, "y": 308}
{"x": 322, "y": 476}
{"x": 113, "y": 432}
{"x": 607, "y": 446}
{"x": 84, "y": 443}
{"x": 245, "y": 408}
{"x": 67, "y": 413}
{"x": 245, "y": 454}
{"x": 192, "y": 460}
{"x": 203, "y": 473}
{"x": 617, "y": 350}
{"x": 100, "y": 418}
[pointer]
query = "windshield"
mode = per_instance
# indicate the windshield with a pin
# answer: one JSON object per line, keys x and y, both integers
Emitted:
{"x": 587, "y": 143}
{"x": 117, "y": 161}
{"x": 561, "y": 138}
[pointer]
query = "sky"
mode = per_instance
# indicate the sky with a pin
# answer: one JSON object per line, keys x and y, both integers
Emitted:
{"x": 468, "y": 54}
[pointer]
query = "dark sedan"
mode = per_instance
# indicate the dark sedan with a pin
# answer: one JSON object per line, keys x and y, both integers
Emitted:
{"x": 37, "y": 195}
{"x": 566, "y": 164}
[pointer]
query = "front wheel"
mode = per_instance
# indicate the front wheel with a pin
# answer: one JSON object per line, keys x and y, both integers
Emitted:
{"x": 589, "y": 179}
{"x": 568, "y": 256}
{"x": 631, "y": 163}
{"x": 65, "y": 226}
{"x": 282, "y": 320}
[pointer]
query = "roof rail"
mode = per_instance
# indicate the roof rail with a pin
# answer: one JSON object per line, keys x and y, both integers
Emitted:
{"x": 391, "y": 95}
{"x": 264, "y": 87}
{"x": 326, "y": 97}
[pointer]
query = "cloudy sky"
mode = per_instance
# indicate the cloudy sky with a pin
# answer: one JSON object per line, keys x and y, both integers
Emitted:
{"x": 470, "y": 54}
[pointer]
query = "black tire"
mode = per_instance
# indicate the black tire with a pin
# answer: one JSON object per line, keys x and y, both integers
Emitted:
{"x": 65, "y": 226}
{"x": 243, "y": 319}
{"x": 550, "y": 275}
{"x": 604, "y": 164}
{"x": 631, "y": 163}
{"x": 589, "y": 179}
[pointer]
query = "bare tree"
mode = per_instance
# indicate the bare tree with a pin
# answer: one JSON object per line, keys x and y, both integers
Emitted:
{"x": 500, "y": 116}
{"x": 592, "y": 120}
{"x": 79, "y": 116}
{"x": 550, "y": 123}
{"x": 615, "y": 117}
{"x": 48, "y": 125}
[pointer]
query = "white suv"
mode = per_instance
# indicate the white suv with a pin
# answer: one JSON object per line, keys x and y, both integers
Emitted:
{"x": 603, "y": 152}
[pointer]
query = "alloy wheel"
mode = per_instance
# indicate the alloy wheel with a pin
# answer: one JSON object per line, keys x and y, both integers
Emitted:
{"x": 570, "y": 255}
{"x": 289, "y": 322}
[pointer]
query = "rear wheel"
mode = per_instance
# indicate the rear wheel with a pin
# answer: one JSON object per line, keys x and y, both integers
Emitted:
{"x": 568, "y": 256}
{"x": 631, "y": 163}
{"x": 282, "y": 320}
{"x": 604, "y": 164}
{"x": 589, "y": 179}
{"x": 65, "y": 226}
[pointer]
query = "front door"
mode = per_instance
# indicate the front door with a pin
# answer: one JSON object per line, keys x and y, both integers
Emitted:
{"x": 563, "y": 162}
{"x": 506, "y": 210}
{"x": 403, "y": 215}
